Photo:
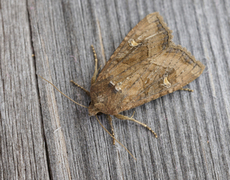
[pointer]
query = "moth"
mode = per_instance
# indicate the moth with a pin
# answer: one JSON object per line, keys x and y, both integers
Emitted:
{"x": 145, "y": 66}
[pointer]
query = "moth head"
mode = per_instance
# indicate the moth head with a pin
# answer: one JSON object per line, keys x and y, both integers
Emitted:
{"x": 96, "y": 108}
{"x": 92, "y": 110}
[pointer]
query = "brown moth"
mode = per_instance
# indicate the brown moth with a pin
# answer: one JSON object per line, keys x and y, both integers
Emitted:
{"x": 145, "y": 66}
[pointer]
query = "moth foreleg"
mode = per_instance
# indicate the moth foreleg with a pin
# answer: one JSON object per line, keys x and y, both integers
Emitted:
{"x": 122, "y": 117}
{"x": 87, "y": 92}
{"x": 186, "y": 89}
{"x": 95, "y": 67}
{"x": 111, "y": 125}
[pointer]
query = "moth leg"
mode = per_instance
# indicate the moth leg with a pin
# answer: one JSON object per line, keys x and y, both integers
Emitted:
{"x": 133, "y": 114}
{"x": 122, "y": 117}
{"x": 186, "y": 89}
{"x": 94, "y": 75}
{"x": 111, "y": 125}
{"x": 87, "y": 92}
{"x": 95, "y": 67}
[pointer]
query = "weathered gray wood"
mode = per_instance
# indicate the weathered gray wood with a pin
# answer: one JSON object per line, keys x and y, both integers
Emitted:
{"x": 43, "y": 135}
{"x": 23, "y": 153}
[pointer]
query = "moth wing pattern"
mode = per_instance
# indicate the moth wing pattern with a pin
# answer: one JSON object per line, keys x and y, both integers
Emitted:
{"x": 169, "y": 72}
{"x": 146, "y": 66}
{"x": 150, "y": 33}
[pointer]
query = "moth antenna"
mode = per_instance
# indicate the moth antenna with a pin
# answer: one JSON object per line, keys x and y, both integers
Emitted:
{"x": 115, "y": 138}
{"x": 62, "y": 92}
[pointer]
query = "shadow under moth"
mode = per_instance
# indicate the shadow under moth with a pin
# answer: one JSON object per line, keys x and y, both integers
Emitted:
{"x": 145, "y": 66}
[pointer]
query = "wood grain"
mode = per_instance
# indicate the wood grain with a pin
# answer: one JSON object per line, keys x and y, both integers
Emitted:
{"x": 45, "y": 136}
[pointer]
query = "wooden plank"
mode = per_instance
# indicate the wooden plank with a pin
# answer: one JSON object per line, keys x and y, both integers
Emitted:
{"x": 23, "y": 148}
{"x": 44, "y": 135}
